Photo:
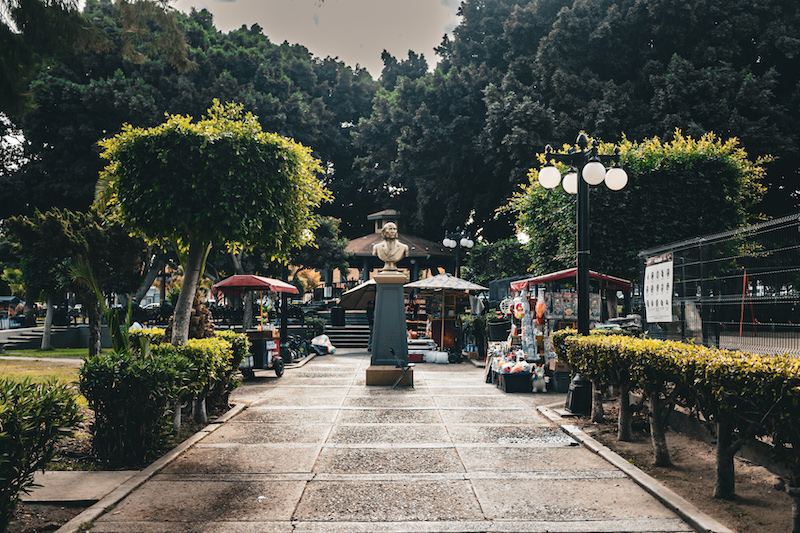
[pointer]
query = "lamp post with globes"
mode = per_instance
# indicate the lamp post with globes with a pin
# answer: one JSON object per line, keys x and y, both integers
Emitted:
{"x": 458, "y": 239}
{"x": 587, "y": 167}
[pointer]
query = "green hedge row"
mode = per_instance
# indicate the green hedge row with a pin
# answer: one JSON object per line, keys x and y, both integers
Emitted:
{"x": 744, "y": 395}
{"x": 133, "y": 392}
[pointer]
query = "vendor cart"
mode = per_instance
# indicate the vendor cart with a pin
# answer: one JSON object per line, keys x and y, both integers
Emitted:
{"x": 265, "y": 342}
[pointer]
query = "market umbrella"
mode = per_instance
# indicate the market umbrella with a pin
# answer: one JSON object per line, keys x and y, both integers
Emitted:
{"x": 445, "y": 282}
{"x": 241, "y": 283}
{"x": 247, "y": 282}
{"x": 358, "y": 296}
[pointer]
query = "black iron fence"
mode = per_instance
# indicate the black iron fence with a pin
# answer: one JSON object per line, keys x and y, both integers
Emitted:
{"x": 737, "y": 290}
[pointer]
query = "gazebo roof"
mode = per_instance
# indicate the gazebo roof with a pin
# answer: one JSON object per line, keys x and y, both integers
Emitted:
{"x": 417, "y": 246}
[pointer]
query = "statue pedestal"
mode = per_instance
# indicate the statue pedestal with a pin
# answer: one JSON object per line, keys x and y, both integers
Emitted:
{"x": 389, "y": 328}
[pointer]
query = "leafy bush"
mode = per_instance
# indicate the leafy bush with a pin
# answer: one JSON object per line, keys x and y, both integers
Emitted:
{"x": 130, "y": 397}
{"x": 240, "y": 346}
{"x": 32, "y": 419}
{"x": 316, "y": 325}
{"x": 154, "y": 335}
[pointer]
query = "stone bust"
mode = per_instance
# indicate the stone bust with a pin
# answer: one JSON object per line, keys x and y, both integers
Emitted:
{"x": 390, "y": 250}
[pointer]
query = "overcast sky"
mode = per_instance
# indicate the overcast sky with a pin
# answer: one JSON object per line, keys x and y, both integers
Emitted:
{"x": 355, "y": 31}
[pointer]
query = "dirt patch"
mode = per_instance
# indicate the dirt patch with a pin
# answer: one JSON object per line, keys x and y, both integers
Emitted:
{"x": 758, "y": 507}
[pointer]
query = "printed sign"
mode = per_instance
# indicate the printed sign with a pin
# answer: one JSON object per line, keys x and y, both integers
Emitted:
{"x": 658, "y": 288}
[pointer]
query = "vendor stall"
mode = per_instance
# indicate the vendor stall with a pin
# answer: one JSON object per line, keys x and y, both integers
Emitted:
{"x": 265, "y": 342}
{"x": 548, "y": 303}
{"x": 446, "y": 297}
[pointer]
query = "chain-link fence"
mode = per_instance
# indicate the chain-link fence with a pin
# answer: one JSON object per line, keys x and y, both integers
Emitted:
{"x": 738, "y": 289}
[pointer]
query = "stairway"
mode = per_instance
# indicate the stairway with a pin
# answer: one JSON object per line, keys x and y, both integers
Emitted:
{"x": 355, "y": 336}
{"x": 29, "y": 338}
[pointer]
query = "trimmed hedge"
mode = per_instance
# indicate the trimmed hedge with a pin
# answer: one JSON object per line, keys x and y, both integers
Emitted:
{"x": 32, "y": 419}
{"x": 743, "y": 395}
{"x": 131, "y": 397}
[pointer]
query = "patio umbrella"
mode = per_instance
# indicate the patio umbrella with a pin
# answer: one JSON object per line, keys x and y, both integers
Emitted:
{"x": 247, "y": 282}
{"x": 358, "y": 296}
{"x": 241, "y": 283}
{"x": 445, "y": 282}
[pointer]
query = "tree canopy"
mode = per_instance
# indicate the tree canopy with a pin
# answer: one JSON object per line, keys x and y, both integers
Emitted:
{"x": 674, "y": 188}
{"x": 215, "y": 181}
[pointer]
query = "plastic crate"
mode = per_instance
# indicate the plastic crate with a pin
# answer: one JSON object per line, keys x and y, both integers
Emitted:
{"x": 515, "y": 382}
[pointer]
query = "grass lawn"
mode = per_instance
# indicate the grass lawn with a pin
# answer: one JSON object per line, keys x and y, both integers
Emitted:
{"x": 39, "y": 371}
{"x": 56, "y": 353}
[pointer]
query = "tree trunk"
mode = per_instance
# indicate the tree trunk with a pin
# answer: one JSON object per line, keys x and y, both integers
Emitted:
{"x": 247, "y": 317}
{"x": 151, "y": 276}
{"x": 183, "y": 307}
{"x": 624, "y": 432}
{"x": 199, "y": 409}
{"x": 95, "y": 325}
{"x": 176, "y": 418}
{"x": 598, "y": 414}
{"x": 48, "y": 324}
{"x": 657, "y": 436}
{"x": 30, "y": 308}
{"x": 725, "y": 483}
{"x": 794, "y": 492}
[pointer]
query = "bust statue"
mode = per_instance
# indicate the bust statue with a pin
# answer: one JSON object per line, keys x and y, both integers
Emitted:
{"x": 390, "y": 250}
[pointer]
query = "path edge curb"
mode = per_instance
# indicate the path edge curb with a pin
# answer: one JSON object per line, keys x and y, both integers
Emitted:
{"x": 696, "y": 518}
{"x": 94, "y": 512}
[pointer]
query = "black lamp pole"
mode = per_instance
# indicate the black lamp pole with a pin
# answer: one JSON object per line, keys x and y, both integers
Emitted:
{"x": 458, "y": 239}
{"x": 580, "y": 159}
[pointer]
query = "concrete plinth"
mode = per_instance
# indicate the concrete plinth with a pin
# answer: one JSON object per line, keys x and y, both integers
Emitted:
{"x": 386, "y": 375}
{"x": 389, "y": 330}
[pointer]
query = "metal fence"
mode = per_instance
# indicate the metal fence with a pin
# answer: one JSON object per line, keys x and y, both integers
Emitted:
{"x": 738, "y": 290}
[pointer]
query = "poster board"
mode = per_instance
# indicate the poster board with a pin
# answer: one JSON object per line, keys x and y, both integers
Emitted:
{"x": 658, "y": 288}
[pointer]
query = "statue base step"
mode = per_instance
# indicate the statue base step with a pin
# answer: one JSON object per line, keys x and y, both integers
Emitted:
{"x": 383, "y": 375}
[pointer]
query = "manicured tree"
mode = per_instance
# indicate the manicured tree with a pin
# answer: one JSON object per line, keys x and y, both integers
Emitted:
{"x": 221, "y": 179}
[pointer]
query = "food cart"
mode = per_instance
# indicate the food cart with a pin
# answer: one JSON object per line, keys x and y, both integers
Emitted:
{"x": 265, "y": 342}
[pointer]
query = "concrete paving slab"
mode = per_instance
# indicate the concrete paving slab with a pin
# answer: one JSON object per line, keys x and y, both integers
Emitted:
{"x": 509, "y": 434}
{"x": 389, "y": 416}
{"x": 510, "y": 459}
{"x": 250, "y": 433}
{"x": 491, "y": 416}
{"x": 273, "y": 415}
{"x": 388, "y": 501}
{"x": 450, "y": 390}
{"x": 496, "y": 526}
{"x": 183, "y": 527}
{"x": 391, "y": 434}
{"x": 381, "y": 461}
{"x": 75, "y": 487}
{"x": 302, "y": 380}
{"x": 567, "y": 500}
{"x": 306, "y": 400}
{"x": 393, "y": 400}
{"x": 246, "y": 458}
{"x": 206, "y": 501}
{"x": 488, "y": 402}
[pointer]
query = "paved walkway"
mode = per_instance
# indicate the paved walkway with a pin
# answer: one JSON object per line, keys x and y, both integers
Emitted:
{"x": 319, "y": 451}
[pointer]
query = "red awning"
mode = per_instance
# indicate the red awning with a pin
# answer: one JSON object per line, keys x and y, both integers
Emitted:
{"x": 242, "y": 283}
{"x": 611, "y": 281}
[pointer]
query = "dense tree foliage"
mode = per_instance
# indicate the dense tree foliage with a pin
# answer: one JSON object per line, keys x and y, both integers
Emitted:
{"x": 675, "y": 189}
{"x": 219, "y": 180}
{"x": 447, "y": 147}
{"x": 86, "y": 96}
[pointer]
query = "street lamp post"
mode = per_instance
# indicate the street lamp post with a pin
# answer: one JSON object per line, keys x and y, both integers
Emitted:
{"x": 586, "y": 168}
{"x": 458, "y": 239}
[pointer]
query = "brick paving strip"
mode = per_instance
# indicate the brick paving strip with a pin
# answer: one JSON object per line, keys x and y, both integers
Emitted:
{"x": 319, "y": 451}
